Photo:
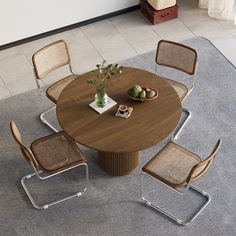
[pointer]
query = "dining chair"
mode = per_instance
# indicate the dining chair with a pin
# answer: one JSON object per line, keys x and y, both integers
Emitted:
{"x": 49, "y": 156}
{"x": 176, "y": 167}
{"x": 182, "y": 58}
{"x": 48, "y": 59}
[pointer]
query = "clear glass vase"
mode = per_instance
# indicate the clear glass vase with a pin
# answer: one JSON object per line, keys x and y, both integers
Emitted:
{"x": 101, "y": 96}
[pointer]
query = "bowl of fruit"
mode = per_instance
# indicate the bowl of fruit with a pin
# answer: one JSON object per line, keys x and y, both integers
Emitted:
{"x": 140, "y": 93}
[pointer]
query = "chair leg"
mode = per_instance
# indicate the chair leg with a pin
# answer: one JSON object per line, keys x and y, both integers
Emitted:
{"x": 45, "y": 206}
{"x": 45, "y": 121}
{"x": 179, "y": 129}
{"x": 168, "y": 214}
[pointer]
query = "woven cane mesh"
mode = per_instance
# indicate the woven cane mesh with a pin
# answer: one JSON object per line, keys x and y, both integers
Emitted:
{"x": 25, "y": 150}
{"x": 177, "y": 56}
{"x": 53, "y": 92}
{"x": 15, "y": 132}
{"x": 50, "y": 58}
{"x": 56, "y": 152}
{"x": 202, "y": 167}
{"x": 172, "y": 165}
{"x": 161, "y": 4}
{"x": 180, "y": 89}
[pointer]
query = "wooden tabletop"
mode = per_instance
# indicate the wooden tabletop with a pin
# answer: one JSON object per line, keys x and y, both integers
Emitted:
{"x": 149, "y": 123}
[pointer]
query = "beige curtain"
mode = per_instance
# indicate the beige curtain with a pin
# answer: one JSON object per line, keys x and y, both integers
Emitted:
{"x": 220, "y": 9}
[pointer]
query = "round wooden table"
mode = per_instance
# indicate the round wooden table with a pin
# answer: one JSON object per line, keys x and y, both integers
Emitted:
{"x": 118, "y": 140}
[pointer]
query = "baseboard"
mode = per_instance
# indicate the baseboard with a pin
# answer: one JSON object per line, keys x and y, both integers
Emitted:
{"x": 69, "y": 27}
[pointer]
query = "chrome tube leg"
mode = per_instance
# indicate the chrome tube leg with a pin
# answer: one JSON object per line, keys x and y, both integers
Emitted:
{"x": 171, "y": 216}
{"x": 208, "y": 200}
{"x": 87, "y": 175}
{"x": 45, "y": 121}
{"x": 40, "y": 207}
{"x": 141, "y": 187}
{"x": 179, "y": 129}
{"x": 148, "y": 203}
{"x": 45, "y": 206}
{"x": 87, "y": 180}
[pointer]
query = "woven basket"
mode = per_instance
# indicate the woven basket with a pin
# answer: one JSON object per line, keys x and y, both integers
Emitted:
{"x": 161, "y": 4}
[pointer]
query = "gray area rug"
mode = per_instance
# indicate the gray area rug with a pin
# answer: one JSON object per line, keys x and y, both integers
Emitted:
{"x": 111, "y": 205}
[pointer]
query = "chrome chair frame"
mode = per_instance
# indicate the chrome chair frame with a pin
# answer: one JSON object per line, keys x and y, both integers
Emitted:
{"x": 38, "y": 172}
{"x": 42, "y": 115}
{"x": 185, "y": 189}
{"x": 185, "y": 110}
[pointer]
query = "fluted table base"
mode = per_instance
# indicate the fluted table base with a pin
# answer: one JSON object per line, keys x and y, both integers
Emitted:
{"x": 118, "y": 164}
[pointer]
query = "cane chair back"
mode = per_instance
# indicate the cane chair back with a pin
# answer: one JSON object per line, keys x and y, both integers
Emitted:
{"x": 182, "y": 58}
{"x": 50, "y": 58}
{"x": 46, "y": 60}
{"x": 177, "y": 56}
{"x": 199, "y": 169}
{"x": 27, "y": 153}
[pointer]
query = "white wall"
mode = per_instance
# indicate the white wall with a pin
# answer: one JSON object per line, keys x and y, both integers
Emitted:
{"x": 20, "y": 19}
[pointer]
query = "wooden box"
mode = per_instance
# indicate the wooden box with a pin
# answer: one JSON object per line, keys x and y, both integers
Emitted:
{"x": 158, "y": 16}
{"x": 161, "y": 4}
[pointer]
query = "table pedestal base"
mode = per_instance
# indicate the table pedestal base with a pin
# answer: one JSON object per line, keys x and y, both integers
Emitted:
{"x": 118, "y": 164}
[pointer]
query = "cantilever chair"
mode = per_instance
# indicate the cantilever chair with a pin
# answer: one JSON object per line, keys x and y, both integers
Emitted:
{"x": 46, "y": 60}
{"x": 50, "y": 156}
{"x": 177, "y": 167}
{"x": 182, "y": 58}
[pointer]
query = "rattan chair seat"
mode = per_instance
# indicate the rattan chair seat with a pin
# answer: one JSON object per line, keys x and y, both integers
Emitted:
{"x": 180, "y": 89}
{"x": 56, "y": 152}
{"x": 53, "y": 92}
{"x": 172, "y": 165}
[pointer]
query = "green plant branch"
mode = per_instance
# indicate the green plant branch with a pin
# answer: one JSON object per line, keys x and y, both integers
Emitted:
{"x": 105, "y": 72}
